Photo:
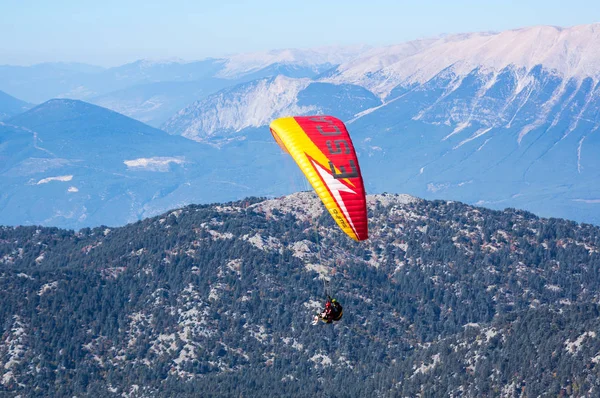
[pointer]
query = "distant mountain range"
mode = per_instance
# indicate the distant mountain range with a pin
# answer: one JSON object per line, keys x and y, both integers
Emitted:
{"x": 498, "y": 119}
{"x": 444, "y": 299}
{"x": 505, "y": 119}
{"x": 59, "y": 79}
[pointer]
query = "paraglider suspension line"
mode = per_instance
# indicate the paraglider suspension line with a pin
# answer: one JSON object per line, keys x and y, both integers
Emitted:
{"x": 325, "y": 282}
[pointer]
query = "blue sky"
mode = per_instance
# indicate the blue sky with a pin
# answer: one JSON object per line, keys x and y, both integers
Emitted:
{"x": 111, "y": 32}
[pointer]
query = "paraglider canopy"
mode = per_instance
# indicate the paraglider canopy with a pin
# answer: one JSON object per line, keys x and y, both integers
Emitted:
{"x": 322, "y": 148}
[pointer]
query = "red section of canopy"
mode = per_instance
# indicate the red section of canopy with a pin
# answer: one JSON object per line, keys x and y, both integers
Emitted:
{"x": 330, "y": 135}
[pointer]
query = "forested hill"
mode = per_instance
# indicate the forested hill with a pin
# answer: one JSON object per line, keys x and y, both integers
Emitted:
{"x": 216, "y": 300}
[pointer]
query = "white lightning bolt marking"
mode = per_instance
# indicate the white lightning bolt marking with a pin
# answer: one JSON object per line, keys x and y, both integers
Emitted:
{"x": 335, "y": 187}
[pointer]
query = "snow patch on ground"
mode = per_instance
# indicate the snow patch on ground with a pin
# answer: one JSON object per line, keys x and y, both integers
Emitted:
{"x": 475, "y": 135}
{"x": 313, "y": 305}
{"x": 490, "y": 334}
{"x": 302, "y": 249}
{"x": 293, "y": 342}
{"x": 157, "y": 163}
{"x": 267, "y": 244}
{"x": 321, "y": 359}
{"x": 321, "y": 269}
{"x": 260, "y": 334}
{"x": 14, "y": 345}
{"x": 588, "y": 201}
{"x": 214, "y": 292}
{"x": 235, "y": 265}
{"x": 554, "y": 288}
{"x": 435, "y": 360}
{"x": 574, "y": 346}
{"x": 47, "y": 288}
{"x": 218, "y": 235}
{"x": 459, "y": 127}
{"x": 58, "y": 178}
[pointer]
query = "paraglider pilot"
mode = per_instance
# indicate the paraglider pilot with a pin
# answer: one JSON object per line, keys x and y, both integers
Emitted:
{"x": 332, "y": 312}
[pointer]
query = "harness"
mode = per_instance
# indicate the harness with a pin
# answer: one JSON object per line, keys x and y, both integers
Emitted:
{"x": 337, "y": 311}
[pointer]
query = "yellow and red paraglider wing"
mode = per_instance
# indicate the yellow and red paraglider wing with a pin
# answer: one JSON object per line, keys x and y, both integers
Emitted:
{"x": 322, "y": 148}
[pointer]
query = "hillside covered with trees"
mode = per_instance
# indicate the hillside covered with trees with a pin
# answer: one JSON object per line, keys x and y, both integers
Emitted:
{"x": 444, "y": 299}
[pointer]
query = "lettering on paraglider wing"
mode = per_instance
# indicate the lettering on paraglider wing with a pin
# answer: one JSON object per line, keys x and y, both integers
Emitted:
{"x": 344, "y": 174}
{"x": 319, "y": 119}
{"x": 339, "y": 218}
{"x": 329, "y": 124}
{"x": 338, "y": 147}
{"x": 336, "y": 128}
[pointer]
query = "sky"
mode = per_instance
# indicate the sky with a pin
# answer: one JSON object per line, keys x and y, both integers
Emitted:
{"x": 111, "y": 32}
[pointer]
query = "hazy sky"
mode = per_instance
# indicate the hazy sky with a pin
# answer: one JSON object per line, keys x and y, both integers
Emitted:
{"x": 111, "y": 32}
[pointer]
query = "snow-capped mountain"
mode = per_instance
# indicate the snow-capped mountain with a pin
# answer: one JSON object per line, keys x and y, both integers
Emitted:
{"x": 500, "y": 119}
{"x": 565, "y": 52}
{"x": 520, "y": 59}
{"x": 505, "y": 119}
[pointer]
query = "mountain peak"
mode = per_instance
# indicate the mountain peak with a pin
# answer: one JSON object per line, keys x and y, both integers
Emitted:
{"x": 77, "y": 115}
{"x": 63, "y": 106}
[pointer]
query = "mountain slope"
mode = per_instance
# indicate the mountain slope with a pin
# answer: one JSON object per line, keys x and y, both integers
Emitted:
{"x": 81, "y": 164}
{"x": 91, "y": 130}
{"x": 444, "y": 298}
{"x": 222, "y": 115}
{"x": 248, "y": 105}
{"x": 10, "y": 106}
